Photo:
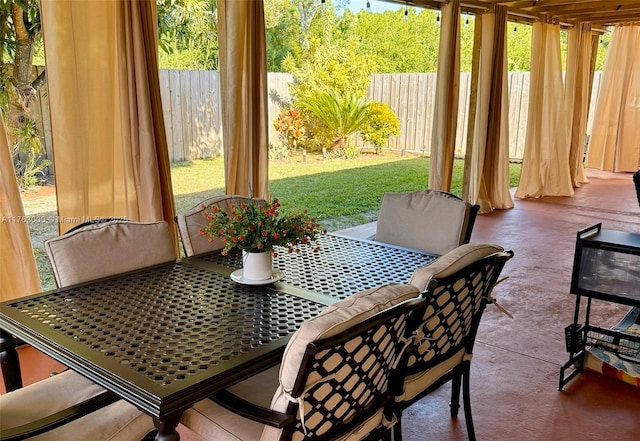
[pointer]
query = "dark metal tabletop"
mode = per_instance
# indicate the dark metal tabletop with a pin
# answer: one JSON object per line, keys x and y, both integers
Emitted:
{"x": 342, "y": 266}
{"x": 168, "y": 336}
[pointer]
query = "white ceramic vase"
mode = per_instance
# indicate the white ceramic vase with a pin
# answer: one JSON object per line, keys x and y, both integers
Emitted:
{"x": 257, "y": 266}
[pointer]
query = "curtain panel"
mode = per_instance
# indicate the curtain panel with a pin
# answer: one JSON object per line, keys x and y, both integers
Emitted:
{"x": 445, "y": 118}
{"x": 545, "y": 165}
{"x": 487, "y": 165}
{"x": 615, "y": 136}
{"x": 243, "y": 81}
{"x": 578, "y": 80}
{"x": 109, "y": 145}
{"x": 18, "y": 271}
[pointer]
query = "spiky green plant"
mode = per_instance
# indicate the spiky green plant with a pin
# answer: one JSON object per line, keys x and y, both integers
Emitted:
{"x": 337, "y": 115}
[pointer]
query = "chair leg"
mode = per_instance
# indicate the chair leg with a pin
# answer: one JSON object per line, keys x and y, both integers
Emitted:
{"x": 455, "y": 394}
{"x": 397, "y": 428}
{"x": 467, "y": 403}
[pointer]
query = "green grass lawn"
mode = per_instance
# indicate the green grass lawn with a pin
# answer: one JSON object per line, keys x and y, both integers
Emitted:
{"x": 340, "y": 193}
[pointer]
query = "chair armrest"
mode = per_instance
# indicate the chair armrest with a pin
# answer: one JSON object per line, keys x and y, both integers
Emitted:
{"x": 59, "y": 418}
{"x": 251, "y": 411}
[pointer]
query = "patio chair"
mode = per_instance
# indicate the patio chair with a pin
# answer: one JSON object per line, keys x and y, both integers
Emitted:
{"x": 191, "y": 221}
{"x": 457, "y": 286}
{"x": 67, "y": 405}
{"x": 428, "y": 220}
{"x": 333, "y": 381}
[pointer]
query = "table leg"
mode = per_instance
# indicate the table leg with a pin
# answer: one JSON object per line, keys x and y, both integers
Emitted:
{"x": 9, "y": 362}
{"x": 167, "y": 427}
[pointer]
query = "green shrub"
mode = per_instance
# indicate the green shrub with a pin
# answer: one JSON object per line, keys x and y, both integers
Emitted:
{"x": 379, "y": 124}
{"x": 337, "y": 115}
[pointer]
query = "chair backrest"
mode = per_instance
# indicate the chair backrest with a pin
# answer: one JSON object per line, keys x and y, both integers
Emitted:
{"x": 191, "y": 222}
{"x": 335, "y": 372}
{"x": 426, "y": 220}
{"x": 104, "y": 249}
{"x": 456, "y": 286}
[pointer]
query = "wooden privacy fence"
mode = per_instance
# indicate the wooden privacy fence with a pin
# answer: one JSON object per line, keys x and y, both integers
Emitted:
{"x": 192, "y": 113}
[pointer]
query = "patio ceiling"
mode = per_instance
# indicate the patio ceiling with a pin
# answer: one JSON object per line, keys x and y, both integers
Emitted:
{"x": 566, "y": 12}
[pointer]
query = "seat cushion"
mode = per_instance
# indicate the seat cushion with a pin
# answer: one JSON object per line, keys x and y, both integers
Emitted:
{"x": 422, "y": 220}
{"x": 417, "y": 383}
{"x": 119, "y": 421}
{"x": 452, "y": 262}
{"x": 104, "y": 249}
{"x": 213, "y": 422}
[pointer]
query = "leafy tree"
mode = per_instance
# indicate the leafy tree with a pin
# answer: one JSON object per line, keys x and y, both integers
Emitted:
{"x": 19, "y": 33}
{"x": 189, "y": 29}
{"x": 379, "y": 124}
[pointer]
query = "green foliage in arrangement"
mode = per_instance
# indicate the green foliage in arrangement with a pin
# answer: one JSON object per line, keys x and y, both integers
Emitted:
{"x": 380, "y": 123}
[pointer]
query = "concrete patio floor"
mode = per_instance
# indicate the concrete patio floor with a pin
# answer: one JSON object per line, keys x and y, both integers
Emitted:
{"x": 516, "y": 361}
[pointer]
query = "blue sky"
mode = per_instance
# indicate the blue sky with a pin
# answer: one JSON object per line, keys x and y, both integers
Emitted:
{"x": 376, "y": 5}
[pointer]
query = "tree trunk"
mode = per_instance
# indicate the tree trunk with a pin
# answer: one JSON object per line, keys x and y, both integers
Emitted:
{"x": 24, "y": 55}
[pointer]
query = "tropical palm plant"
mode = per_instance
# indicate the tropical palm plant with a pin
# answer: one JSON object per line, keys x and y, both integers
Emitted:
{"x": 337, "y": 115}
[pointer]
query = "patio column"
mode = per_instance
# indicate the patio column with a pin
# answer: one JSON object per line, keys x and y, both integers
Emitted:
{"x": 109, "y": 145}
{"x": 487, "y": 158}
{"x": 18, "y": 272}
{"x": 243, "y": 80}
{"x": 545, "y": 166}
{"x": 445, "y": 118}
{"x": 615, "y": 137}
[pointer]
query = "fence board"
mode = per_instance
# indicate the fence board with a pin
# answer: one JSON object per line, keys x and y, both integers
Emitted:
{"x": 192, "y": 110}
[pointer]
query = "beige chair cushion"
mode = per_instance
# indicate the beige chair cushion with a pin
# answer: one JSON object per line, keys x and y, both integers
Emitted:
{"x": 422, "y": 220}
{"x": 213, "y": 422}
{"x": 119, "y": 421}
{"x": 105, "y": 249}
{"x": 452, "y": 262}
{"x": 417, "y": 383}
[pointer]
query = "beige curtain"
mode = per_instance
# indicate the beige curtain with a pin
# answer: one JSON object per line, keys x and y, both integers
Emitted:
{"x": 18, "y": 271}
{"x": 615, "y": 136}
{"x": 545, "y": 165}
{"x": 443, "y": 138}
{"x": 578, "y": 80}
{"x": 243, "y": 80}
{"x": 109, "y": 145}
{"x": 487, "y": 164}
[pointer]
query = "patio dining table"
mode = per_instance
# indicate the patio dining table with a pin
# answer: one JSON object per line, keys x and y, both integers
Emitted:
{"x": 167, "y": 336}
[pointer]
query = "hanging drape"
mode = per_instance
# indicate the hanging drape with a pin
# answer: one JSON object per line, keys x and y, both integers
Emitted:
{"x": 545, "y": 165}
{"x": 18, "y": 271}
{"x": 578, "y": 80}
{"x": 615, "y": 136}
{"x": 109, "y": 144}
{"x": 243, "y": 81}
{"x": 443, "y": 138}
{"x": 487, "y": 164}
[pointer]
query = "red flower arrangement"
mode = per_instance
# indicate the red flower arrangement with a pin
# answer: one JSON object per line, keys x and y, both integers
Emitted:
{"x": 258, "y": 226}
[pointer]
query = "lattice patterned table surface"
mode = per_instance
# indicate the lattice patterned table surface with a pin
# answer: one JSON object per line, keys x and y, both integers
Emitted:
{"x": 341, "y": 267}
{"x": 167, "y": 323}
